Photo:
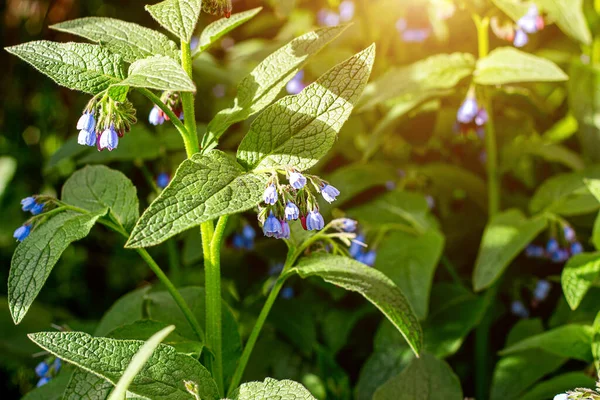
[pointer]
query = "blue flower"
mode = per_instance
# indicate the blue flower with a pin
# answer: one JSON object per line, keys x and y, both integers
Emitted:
{"x": 22, "y": 232}
{"x": 297, "y": 180}
{"x": 569, "y": 233}
{"x": 245, "y": 239}
{"x": 86, "y": 138}
{"x": 349, "y": 225}
{"x": 356, "y": 247}
{"x": 367, "y": 258}
{"x": 576, "y": 248}
{"x": 87, "y": 122}
{"x": 542, "y": 289}
{"x": 156, "y": 116}
{"x": 519, "y": 309}
{"x": 552, "y": 246}
{"x": 467, "y": 111}
{"x": 276, "y": 269}
{"x": 37, "y": 209}
{"x": 534, "y": 251}
{"x": 28, "y": 203}
{"x": 272, "y": 226}
{"x": 314, "y": 221}
{"x": 270, "y": 195}
{"x": 42, "y": 369}
{"x": 292, "y": 212}
{"x": 285, "y": 231}
{"x": 296, "y": 84}
{"x": 109, "y": 139}
{"x": 531, "y": 22}
{"x": 42, "y": 381}
{"x": 162, "y": 180}
{"x": 329, "y": 193}
{"x": 248, "y": 232}
{"x": 287, "y": 293}
{"x": 57, "y": 364}
{"x": 559, "y": 256}
{"x": 521, "y": 38}
{"x": 238, "y": 241}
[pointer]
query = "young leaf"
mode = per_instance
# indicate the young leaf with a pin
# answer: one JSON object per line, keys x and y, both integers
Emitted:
{"x": 161, "y": 378}
{"x": 570, "y": 341}
{"x": 425, "y": 378}
{"x": 96, "y": 188}
{"x": 569, "y": 16}
{"x": 160, "y": 73}
{"x": 138, "y": 361}
{"x": 558, "y": 384}
{"x": 131, "y": 41}
{"x": 203, "y": 188}
{"x": 35, "y": 257}
{"x": 77, "y": 66}
{"x": 299, "y": 130}
{"x": 420, "y": 80}
{"x": 578, "y": 276}
{"x": 272, "y": 389}
{"x": 263, "y": 85}
{"x": 223, "y": 26}
{"x": 504, "y": 238}
{"x": 508, "y": 65}
{"x": 372, "y": 284}
{"x": 177, "y": 16}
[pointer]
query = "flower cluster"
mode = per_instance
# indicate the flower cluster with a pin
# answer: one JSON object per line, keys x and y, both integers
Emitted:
{"x": 532, "y": 22}
{"x": 553, "y": 250}
{"x": 245, "y": 238}
{"x": 331, "y": 18}
{"x": 104, "y": 121}
{"x": 46, "y": 370}
{"x": 471, "y": 116}
{"x": 296, "y": 84}
{"x": 293, "y": 201}
{"x": 173, "y": 101}
{"x": 35, "y": 205}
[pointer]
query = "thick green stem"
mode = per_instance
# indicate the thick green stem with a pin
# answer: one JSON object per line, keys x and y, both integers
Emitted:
{"x": 187, "y": 99}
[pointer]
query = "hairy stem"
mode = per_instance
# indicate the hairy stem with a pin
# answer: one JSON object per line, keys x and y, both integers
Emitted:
{"x": 187, "y": 99}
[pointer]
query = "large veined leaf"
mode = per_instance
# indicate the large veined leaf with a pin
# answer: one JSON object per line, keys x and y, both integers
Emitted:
{"x": 131, "y": 41}
{"x": 425, "y": 378}
{"x": 223, "y": 26}
{"x": 272, "y": 389}
{"x": 35, "y": 257}
{"x": 372, "y": 284}
{"x": 96, "y": 188}
{"x": 78, "y": 66}
{"x": 263, "y": 85}
{"x": 299, "y": 130}
{"x": 203, "y": 188}
{"x": 87, "y": 386}
{"x": 177, "y": 16}
{"x": 509, "y": 65}
{"x": 504, "y": 238}
{"x": 420, "y": 80}
{"x": 584, "y": 103}
{"x": 160, "y": 73}
{"x": 578, "y": 276}
{"x": 571, "y": 341}
{"x": 569, "y": 16}
{"x": 161, "y": 378}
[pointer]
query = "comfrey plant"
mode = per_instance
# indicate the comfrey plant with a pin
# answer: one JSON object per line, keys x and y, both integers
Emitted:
{"x": 269, "y": 173}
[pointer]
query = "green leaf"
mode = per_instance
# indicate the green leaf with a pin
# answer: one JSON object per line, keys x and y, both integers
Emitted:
{"x": 570, "y": 341}
{"x": 299, "y": 130}
{"x": 509, "y": 65}
{"x": 513, "y": 153}
{"x": 419, "y": 81}
{"x": 203, "y": 188}
{"x": 35, "y": 257}
{"x": 87, "y": 386}
{"x": 596, "y": 342}
{"x": 372, "y": 284}
{"x": 410, "y": 262}
{"x": 568, "y": 15}
{"x": 160, "y": 73}
{"x": 126, "y": 309}
{"x": 515, "y": 9}
{"x": 264, "y": 83}
{"x": 53, "y": 390}
{"x": 578, "y": 276}
{"x": 161, "y": 378}
{"x": 558, "y": 384}
{"x": 425, "y": 378}
{"x": 95, "y": 188}
{"x": 223, "y": 26}
{"x": 566, "y": 194}
{"x": 504, "y": 238}
{"x": 272, "y": 389}
{"x": 138, "y": 361}
{"x": 131, "y": 41}
{"x": 177, "y": 16}
{"x": 584, "y": 103}
{"x": 77, "y": 66}
{"x": 118, "y": 93}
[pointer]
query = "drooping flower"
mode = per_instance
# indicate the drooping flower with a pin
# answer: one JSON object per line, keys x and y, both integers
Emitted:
{"x": 349, "y": 225}
{"x": 356, "y": 246}
{"x": 467, "y": 111}
{"x": 329, "y": 193}
{"x": 518, "y": 308}
{"x": 314, "y": 221}
{"x": 297, "y": 180}
{"x": 552, "y": 246}
{"x": 542, "y": 289}
{"x": 367, "y": 258}
{"x": 109, "y": 139}
{"x": 285, "y": 230}
{"x": 156, "y": 116}
{"x": 292, "y": 212}
{"x": 534, "y": 251}
{"x": 569, "y": 233}
{"x": 162, "y": 180}
{"x": 296, "y": 84}
{"x": 521, "y": 38}
{"x": 86, "y": 138}
{"x": 532, "y": 22}
{"x": 43, "y": 381}
{"x": 559, "y": 256}
{"x": 576, "y": 248}
{"x": 270, "y": 194}
{"x": 22, "y": 232}
{"x": 28, "y": 203}
{"x": 37, "y": 209}
{"x": 272, "y": 226}
{"x": 287, "y": 292}
{"x": 87, "y": 122}
{"x": 245, "y": 239}
{"x": 42, "y": 369}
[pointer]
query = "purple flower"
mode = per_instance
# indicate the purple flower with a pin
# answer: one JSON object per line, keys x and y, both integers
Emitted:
{"x": 270, "y": 195}
{"x": 519, "y": 309}
{"x": 482, "y": 117}
{"x": 292, "y": 212}
{"x": 346, "y": 10}
{"x": 42, "y": 369}
{"x": 296, "y": 84}
{"x": 28, "y": 203}
{"x": 314, "y": 221}
{"x": 328, "y": 18}
{"x": 551, "y": 246}
{"x": 285, "y": 230}
{"x": 297, "y": 180}
{"x": 521, "y": 38}
{"x": 287, "y": 293}
{"x": 467, "y": 111}
{"x": 542, "y": 289}
{"x": 272, "y": 226}
{"x": 109, "y": 139}
{"x": 37, "y": 209}
{"x": 86, "y": 138}
{"x": 569, "y": 233}
{"x": 534, "y": 251}
{"x": 194, "y": 43}
{"x": 559, "y": 256}
{"x": 22, "y": 232}
{"x": 156, "y": 116}
{"x": 349, "y": 225}
{"x": 329, "y": 193}
{"x": 411, "y": 35}
{"x": 42, "y": 381}
{"x": 86, "y": 122}
{"x": 576, "y": 248}
{"x": 162, "y": 180}
{"x": 532, "y": 21}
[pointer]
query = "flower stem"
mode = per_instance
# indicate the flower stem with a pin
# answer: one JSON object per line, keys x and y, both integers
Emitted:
{"x": 187, "y": 99}
{"x": 172, "y": 117}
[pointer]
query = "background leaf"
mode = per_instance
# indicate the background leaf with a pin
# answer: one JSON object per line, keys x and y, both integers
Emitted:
{"x": 223, "y": 26}
{"x": 568, "y": 15}
{"x": 177, "y": 16}
{"x": 160, "y": 73}
{"x": 578, "y": 276}
{"x": 272, "y": 389}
